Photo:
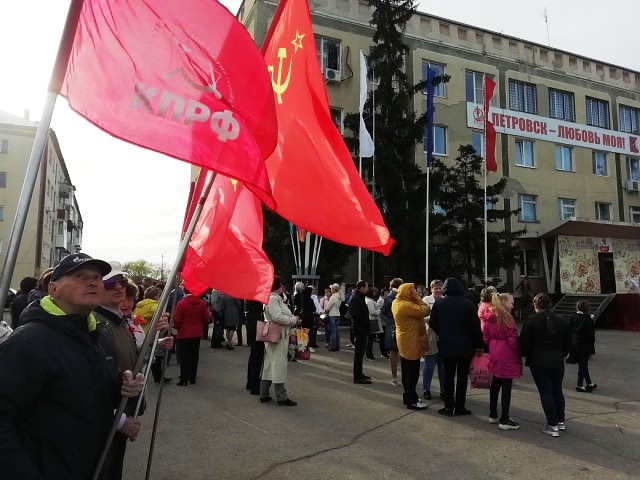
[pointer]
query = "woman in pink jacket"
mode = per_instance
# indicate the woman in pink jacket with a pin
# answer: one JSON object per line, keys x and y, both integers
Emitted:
{"x": 505, "y": 364}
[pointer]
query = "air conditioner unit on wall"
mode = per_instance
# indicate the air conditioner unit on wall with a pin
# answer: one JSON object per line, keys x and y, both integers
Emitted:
{"x": 333, "y": 76}
{"x": 633, "y": 185}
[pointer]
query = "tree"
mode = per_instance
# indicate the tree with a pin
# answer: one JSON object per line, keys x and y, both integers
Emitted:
{"x": 399, "y": 187}
{"x": 139, "y": 268}
{"x": 460, "y": 220}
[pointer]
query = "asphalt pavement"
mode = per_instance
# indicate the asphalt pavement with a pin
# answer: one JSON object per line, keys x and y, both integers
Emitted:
{"x": 217, "y": 430}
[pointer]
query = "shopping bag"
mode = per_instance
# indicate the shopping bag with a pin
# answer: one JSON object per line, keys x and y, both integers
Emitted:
{"x": 479, "y": 375}
{"x": 303, "y": 352}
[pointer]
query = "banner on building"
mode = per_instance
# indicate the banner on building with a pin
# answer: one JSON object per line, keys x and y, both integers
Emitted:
{"x": 579, "y": 269}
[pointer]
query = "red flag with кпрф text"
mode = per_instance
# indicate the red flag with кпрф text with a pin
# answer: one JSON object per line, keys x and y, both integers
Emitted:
{"x": 183, "y": 78}
{"x": 313, "y": 177}
{"x": 490, "y": 131}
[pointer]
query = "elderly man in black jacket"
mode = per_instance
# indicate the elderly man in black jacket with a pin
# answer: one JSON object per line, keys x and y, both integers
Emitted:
{"x": 359, "y": 314}
{"x": 455, "y": 320}
{"x": 58, "y": 397}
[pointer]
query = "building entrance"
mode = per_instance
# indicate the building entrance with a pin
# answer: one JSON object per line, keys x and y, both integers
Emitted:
{"x": 607, "y": 273}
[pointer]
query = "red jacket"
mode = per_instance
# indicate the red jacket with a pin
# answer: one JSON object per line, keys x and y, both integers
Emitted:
{"x": 190, "y": 316}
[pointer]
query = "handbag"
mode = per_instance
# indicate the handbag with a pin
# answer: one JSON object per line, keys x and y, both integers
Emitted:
{"x": 269, "y": 332}
{"x": 479, "y": 375}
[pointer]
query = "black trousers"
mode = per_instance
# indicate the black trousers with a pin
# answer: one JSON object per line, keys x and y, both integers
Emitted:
{"x": 455, "y": 397}
{"x": 254, "y": 367}
{"x": 505, "y": 385}
{"x": 361, "y": 346}
{"x": 410, "y": 376}
{"x": 252, "y": 326}
{"x": 156, "y": 368}
{"x": 112, "y": 468}
{"x": 189, "y": 351}
{"x": 584, "y": 378}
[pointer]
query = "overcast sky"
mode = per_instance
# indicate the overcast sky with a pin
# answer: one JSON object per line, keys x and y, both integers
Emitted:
{"x": 133, "y": 201}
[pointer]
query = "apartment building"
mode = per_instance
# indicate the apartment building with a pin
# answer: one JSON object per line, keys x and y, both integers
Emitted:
{"x": 54, "y": 224}
{"x": 568, "y": 134}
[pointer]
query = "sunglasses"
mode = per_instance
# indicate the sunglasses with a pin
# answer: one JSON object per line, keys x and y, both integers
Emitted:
{"x": 111, "y": 283}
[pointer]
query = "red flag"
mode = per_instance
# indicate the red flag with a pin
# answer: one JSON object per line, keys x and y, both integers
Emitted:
{"x": 225, "y": 251}
{"x": 181, "y": 78}
{"x": 489, "y": 131}
{"x": 313, "y": 178}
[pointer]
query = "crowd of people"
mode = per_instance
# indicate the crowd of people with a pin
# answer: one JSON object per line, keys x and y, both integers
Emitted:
{"x": 76, "y": 334}
{"x": 444, "y": 328}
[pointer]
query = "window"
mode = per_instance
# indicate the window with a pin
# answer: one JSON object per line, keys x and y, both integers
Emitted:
{"x": 633, "y": 168}
{"x": 599, "y": 164}
{"x": 336, "y": 117}
{"x": 564, "y": 158}
{"x": 597, "y": 112}
{"x": 524, "y": 154}
{"x": 530, "y": 265}
{"x": 328, "y": 53}
{"x": 474, "y": 87}
{"x": 634, "y": 214}
{"x": 629, "y": 119}
{"x": 522, "y": 97}
{"x": 562, "y": 105}
{"x": 60, "y": 230}
{"x": 567, "y": 207}
{"x": 440, "y": 89}
{"x": 3, "y": 179}
{"x": 4, "y": 146}
{"x": 439, "y": 140}
{"x": 528, "y": 208}
{"x": 477, "y": 141}
{"x": 603, "y": 211}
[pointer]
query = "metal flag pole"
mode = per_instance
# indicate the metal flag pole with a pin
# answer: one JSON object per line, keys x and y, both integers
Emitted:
{"x": 360, "y": 248}
{"x": 293, "y": 247}
{"x": 314, "y": 254}
{"x": 484, "y": 156}
{"x": 426, "y": 214}
{"x": 315, "y": 263}
{"x": 373, "y": 168}
{"x": 162, "y": 303}
{"x": 147, "y": 370}
{"x": 175, "y": 284}
{"x": 299, "y": 265}
{"x": 39, "y": 145}
{"x": 307, "y": 248}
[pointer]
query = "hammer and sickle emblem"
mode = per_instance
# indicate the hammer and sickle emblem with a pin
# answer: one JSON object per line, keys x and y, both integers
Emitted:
{"x": 278, "y": 86}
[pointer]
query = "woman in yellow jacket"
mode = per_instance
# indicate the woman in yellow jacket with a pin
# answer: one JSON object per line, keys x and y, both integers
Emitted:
{"x": 411, "y": 334}
{"x": 147, "y": 307}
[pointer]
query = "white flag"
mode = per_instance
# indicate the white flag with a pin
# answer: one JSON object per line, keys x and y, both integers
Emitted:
{"x": 366, "y": 143}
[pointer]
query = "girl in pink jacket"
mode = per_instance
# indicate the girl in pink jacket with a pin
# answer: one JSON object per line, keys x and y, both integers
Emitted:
{"x": 505, "y": 364}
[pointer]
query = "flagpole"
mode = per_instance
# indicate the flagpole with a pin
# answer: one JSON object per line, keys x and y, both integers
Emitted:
{"x": 162, "y": 303}
{"x": 484, "y": 156}
{"x": 165, "y": 360}
{"x": 293, "y": 247}
{"x": 307, "y": 248}
{"x": 315, "y": 264}
{"x": 373, "y": 161}
{"x": 313, "y": 255}
{"x": 299, "y": 265}
{"x": 360, "y": 248}
{"x": 38, "y": 148}
{"x": 426, "y": 215}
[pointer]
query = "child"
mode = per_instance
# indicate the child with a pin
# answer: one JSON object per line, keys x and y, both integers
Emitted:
{"x": 505, "y": 364}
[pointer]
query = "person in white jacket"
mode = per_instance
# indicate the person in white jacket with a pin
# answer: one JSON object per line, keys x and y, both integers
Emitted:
{"x": 274, "y": 368}
{"x": 332, "y": 309}
{"x": 432, "y": 359}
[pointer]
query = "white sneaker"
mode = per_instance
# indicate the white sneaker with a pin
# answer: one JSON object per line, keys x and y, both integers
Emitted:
{"x": 311, "y": 350}
{"x": 348, "y": 345}
{"x": 562, "y": 426}
{"x": 493, "y": 420}
{"x": 510, "y": 424}
{"x": 417, "y": 406}
{"x": 394, "y": 382}
{"x": 553, "y": 431}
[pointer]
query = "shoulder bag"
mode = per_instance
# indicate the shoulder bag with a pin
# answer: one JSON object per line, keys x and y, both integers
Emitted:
{"x": 269, "y": 332}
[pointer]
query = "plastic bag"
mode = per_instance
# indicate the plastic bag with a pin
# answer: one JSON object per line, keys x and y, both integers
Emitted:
{"x": 479, "y": 375}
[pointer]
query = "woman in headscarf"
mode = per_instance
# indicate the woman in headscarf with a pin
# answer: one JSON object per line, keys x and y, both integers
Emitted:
{"x": 274, "y": 368}
{"x": 411, "y": 335}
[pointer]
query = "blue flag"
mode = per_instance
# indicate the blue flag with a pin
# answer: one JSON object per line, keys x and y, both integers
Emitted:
{"x": 431, "y": 74}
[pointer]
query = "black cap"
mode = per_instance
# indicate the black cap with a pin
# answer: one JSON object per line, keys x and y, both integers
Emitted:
{"x": 76, "y": 260}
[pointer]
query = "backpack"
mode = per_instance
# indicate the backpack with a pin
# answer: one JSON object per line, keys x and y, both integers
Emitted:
{"x": 344, "y": 308}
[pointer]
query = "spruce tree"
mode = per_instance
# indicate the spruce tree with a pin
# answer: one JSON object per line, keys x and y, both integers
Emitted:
{"x": 460, "y": 198}
{"x": 399, "y": 183}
